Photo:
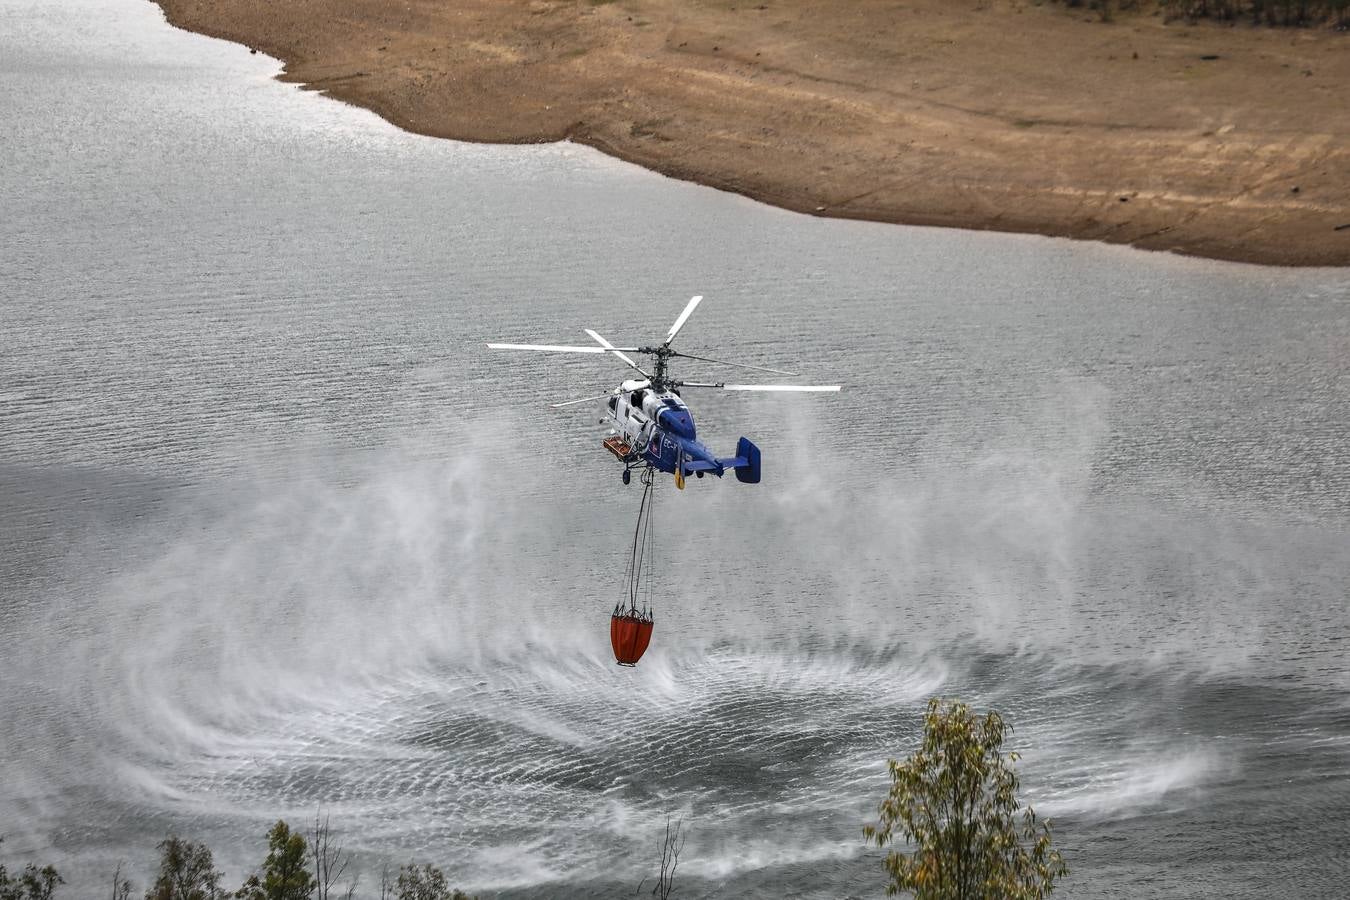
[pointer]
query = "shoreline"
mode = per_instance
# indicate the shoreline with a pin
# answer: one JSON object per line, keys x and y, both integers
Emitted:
{"x": 1230, "y": 143}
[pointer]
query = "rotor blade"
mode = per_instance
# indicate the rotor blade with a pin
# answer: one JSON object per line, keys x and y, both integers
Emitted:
{"x": 684, "y": 317}
{"x": 780, "y": 387}
{"x": 615, "y": 350}
{"x": 582, "y": 400}
{"x": 550, "y": 348}
{"x": 723, "y": 362}
{"x": 758, "y": 387}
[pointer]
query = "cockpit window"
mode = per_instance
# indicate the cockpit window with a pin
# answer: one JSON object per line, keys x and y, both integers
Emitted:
{"x": 613, "y": 403}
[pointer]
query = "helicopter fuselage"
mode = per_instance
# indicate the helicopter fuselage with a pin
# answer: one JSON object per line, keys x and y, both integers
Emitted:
{"x": 659, "y": 430}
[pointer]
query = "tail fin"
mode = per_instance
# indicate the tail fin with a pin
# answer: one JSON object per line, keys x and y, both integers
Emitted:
{"x": 746, "y": 462}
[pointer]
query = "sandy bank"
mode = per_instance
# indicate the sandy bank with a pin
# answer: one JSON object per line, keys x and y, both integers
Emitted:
{"x": 994, "y": 114}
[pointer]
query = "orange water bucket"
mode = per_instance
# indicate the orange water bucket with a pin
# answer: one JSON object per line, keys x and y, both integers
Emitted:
{"x": 630, "y": 632}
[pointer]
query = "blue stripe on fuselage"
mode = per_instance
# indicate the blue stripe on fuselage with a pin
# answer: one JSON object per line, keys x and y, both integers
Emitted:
{"x": 664, "y": 451}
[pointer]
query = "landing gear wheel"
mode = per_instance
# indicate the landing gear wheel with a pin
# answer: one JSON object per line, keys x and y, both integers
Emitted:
{"x": 627, "y": 475}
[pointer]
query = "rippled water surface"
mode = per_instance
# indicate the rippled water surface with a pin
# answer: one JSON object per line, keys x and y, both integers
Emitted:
{"x": 277, "y": 532}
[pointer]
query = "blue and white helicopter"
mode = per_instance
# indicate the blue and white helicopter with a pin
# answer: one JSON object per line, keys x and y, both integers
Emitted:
{"x": 652, "y": 428}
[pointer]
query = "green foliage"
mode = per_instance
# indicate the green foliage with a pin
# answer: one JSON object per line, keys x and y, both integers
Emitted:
{"x": 956, "y": 801}
{"x": 186, "y": 872}
{"x": 285, "y": 872}
{"x": 33, "y": 884}
{"x": 425, "y": 882}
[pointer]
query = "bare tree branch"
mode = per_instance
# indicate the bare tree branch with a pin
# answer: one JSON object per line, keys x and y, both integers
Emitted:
{"x": 330, "y": 861}
{"x": 671, "y": 848}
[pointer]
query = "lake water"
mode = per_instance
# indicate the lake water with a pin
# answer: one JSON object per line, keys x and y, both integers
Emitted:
{"x": 276, "y": 532}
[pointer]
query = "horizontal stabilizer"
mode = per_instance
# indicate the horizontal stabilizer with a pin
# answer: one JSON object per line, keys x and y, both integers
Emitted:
{"x": 745, "y": 463}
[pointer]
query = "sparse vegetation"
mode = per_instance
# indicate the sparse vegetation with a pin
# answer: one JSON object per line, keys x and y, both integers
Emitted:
{"x": 187, "y": 871}
{"x": 1263, "y": 12}
{"x": 1282, "y": 13}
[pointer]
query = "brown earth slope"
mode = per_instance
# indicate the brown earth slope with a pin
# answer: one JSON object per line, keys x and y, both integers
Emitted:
{"x": 972, "y": 113}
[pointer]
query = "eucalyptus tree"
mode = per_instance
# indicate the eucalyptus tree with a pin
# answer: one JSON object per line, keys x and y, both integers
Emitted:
{"x": 285, "y": 872}
{"x": 186, "y": 872}
{"x": 33, "y": 884}
{"x": 954, "y": 802}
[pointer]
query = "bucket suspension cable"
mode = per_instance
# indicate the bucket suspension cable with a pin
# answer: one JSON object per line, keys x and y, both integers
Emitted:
{"x": 649, "y": 547}
{"x": 630, "y": 629}
{"x": 641, "y": 559}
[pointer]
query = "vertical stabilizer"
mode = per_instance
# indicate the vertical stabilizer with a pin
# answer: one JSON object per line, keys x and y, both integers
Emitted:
{"x": 747, "y": 472}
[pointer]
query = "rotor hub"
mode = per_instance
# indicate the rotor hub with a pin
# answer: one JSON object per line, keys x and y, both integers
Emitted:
{"x": 661, "y": 355}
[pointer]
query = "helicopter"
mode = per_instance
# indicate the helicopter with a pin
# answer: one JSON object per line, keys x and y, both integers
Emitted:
{"x": 652, "y": 428}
